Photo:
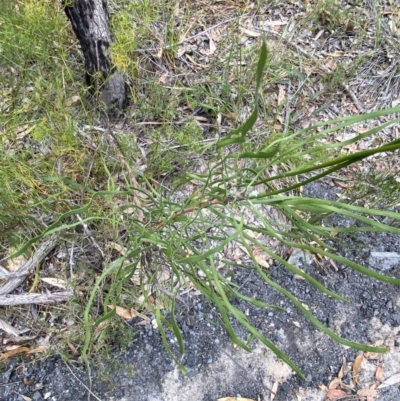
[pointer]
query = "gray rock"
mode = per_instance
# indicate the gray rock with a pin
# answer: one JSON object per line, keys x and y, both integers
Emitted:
{"x": 37, "y": 396}
{"x": 300, "y": 259}
{"x": 384, "y": 260}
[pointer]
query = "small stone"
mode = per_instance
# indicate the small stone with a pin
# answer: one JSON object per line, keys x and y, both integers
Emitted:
{"x": 37, "y": 396}
{"x": 384, "y": 260}
{"x": 300, "y": 258}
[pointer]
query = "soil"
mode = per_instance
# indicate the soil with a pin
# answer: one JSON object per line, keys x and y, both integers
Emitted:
{"x": 216, "y": 369}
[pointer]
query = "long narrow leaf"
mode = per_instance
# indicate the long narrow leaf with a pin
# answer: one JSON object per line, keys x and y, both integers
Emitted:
{"x": 245, "y": 323}
{"x": 160, "y": 322}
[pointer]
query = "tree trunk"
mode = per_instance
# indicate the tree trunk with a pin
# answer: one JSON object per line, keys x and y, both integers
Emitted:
{"x": 90, "y": 21}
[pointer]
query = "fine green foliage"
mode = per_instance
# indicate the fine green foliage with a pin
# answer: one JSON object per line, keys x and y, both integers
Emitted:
{"x": 163, "y": 224}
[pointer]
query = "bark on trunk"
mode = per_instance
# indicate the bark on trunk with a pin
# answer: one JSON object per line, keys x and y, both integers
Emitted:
{"x": 90, "y": 21}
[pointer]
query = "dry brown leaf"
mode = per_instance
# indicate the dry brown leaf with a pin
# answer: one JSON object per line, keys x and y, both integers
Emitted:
{"x": 261, "y": 257}
{"x": 367, "y": 393}
{"x": 73, "y": 100}
{"x": 353, "y": 109}
{"x": 14, "y": 264}
{"x": 335, "y": 383}
{"x": 250, "y": 32}
{"x": 277, "y": 23}
{"x": 334, "y": 265}
{"x": 338, "y": 53}
{"x": 323, "y": 388}
{"x": 375, "y": 385}
{"x": 331, "y": 64}
{"x": 372, "y": 355}
{"x": 120, "y": 249}
{"x": 176, "y": 9}
{"x": 212, "y": 46}
{"x": 393, "y": 27}
{"x": 124, "y": 313}
{"x": 194, "y": 62}
{"x": 342, "y": 370}
{"x": 136, "y": 280}
{"x": 281, "y": 94}
{"x": 338, "y": 183}
{"x": 197, "y": 183}
{"x": 21, "y": 132}
{"x": 42, "y": 348}
{"x": 128, "y": 314}
{"x": 356, "y": 367}
{"x": 379, "y": 373}
{"x": 163, "y": 276}
{"x": 217, "y": 34}
{"x": 274, "y": 390}
{"x": 333, "y": 394}
{"x": 55, "y": 282}
{"x": 262, "y": 262}
{"x": 72, "y": 348}
{"x": 13, "y": 352}
{"x": 159, "y": 54}
{"x": 243, "y": 248}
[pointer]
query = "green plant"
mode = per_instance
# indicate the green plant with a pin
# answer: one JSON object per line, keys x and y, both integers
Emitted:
{"x": 188, "y": 236}
{"x": 181, "y": 225}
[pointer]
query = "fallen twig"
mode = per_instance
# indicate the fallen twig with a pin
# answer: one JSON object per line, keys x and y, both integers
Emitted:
{"x": 9, "y": 329}
{"x": 89, "y": 234}
{"x": 10, "y": 275}
{"x": 30, "y": 265}
{"x": 90, "y": 392}
{"x": 35, "y": 298}
{"x": 354, "y": 98}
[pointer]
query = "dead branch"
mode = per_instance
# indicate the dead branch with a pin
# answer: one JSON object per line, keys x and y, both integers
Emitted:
{"x": 9, "y": 275}
{"x": 35, "y": 298}
{"x": 30, "y": 265}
